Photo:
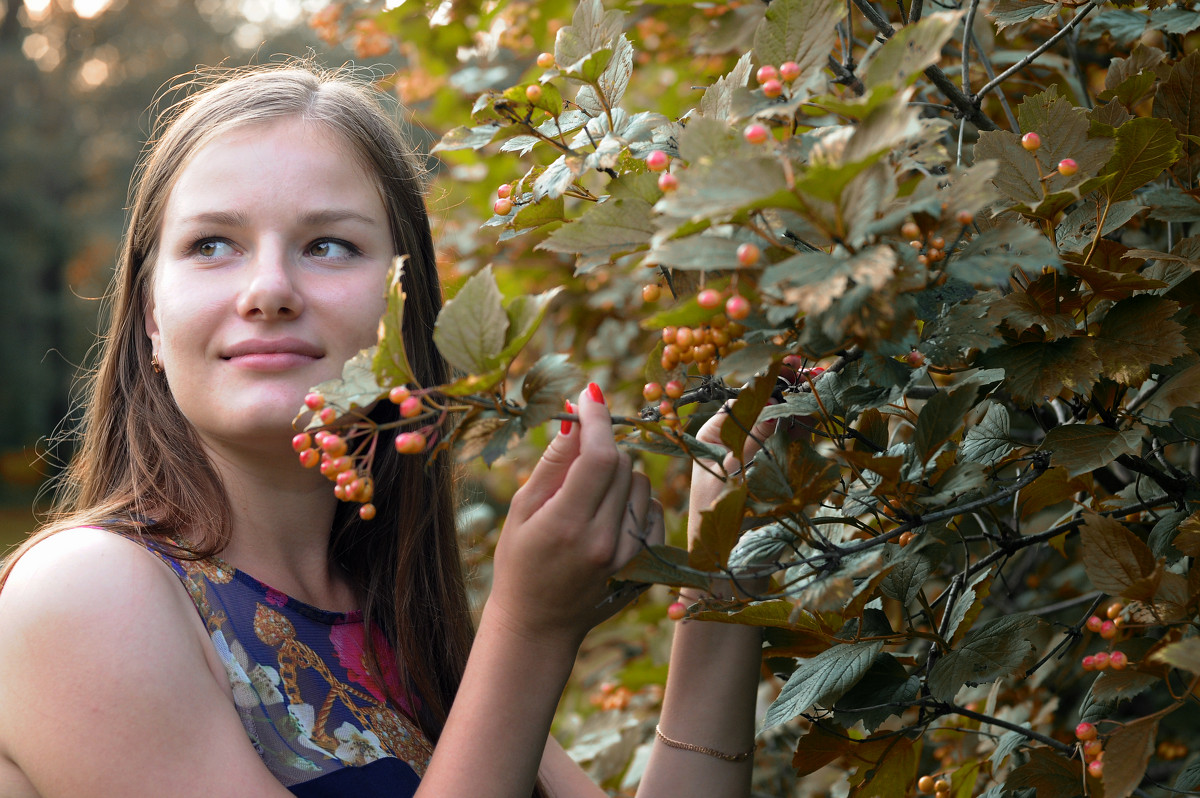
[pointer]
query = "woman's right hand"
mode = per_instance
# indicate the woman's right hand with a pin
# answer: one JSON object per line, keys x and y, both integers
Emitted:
{"x": 581, "y": 516}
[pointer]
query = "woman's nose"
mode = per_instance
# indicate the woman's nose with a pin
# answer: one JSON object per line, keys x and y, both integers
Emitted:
{"x": 270, "y": 292}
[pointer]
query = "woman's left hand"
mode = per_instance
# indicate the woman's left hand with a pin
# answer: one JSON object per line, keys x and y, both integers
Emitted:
{"x": 582, "y": 515}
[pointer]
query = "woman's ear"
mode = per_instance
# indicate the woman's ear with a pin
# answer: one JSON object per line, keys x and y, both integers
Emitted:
{"x": 151, "y": 322}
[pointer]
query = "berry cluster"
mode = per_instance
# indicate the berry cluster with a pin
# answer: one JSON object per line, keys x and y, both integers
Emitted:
{"x": 1032, "y": 142}
{"x": 659, "y": 161}
{"x": 929, "y": 785}
{"x": 1109, "y": 628}
{"x": 504, "y": 204}
{"x": 703, "y": 345}
{"x": 349, "y": 472}
{"x": 772, "y": 78}
{"x": 1093, "y": 748}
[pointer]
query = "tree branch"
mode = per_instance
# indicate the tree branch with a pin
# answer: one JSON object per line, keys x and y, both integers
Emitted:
{"x": 965, "y": 105}
{"x": 1029, "y": 59}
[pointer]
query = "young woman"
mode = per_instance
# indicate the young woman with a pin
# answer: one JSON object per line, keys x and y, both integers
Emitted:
{"x": 204, "y": 619}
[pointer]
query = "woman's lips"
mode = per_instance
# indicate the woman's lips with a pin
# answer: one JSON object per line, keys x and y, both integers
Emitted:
{"x": 272, "y": 355}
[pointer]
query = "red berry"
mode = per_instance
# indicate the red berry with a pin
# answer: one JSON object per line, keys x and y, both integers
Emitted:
{"x": 652, "y": 392}
{"x": 410, "y": 407}
{"x": 1067, "y": 167}
{"x": 709, "y": 298}
{"x": 533, "y": 92}
{"x": 410, "y": 443}
{"x": 677, "y": 611}
{"x": 328, "y": 415}
{"x": 309, "y": 458}
{"x": 964, "y": 217}
{"x": 748, "y": 254}
{"x": 302, "y": 441}
{"x": 314, "y": 401}
{"x": 502, "y": 206}
{"x": 772, "y": 88}
{"x": 756, "y": 133}
{"x": 1096, "y": 768}
{"x": 651, "y": 293}
{"x": 737, "y": 307}
{"x": 1092, "y": 748}
{"x": 398, "y": 394}
{"x": 504, "y": 191}
{"x": 1094, "y": 623}
{"x": 674, "y": 389}
{"x": 545, "y": 60}
{"x": 1118, "y": 660}
{"x": 667, "y": 182}
{"x": 1089, "y": 663}
{"x": 789, "y": 71}
{"x": 1031, "y": 141}
{"x": 335, "y": 445}
{"x": 657, "y": 161}
{"x": 766, "y": 73}
{"x": 1085, "y": 731}
{"x": 1101, "y": 660}
{"x": 366, "y": 512}
{"x": 1108, "y": 630}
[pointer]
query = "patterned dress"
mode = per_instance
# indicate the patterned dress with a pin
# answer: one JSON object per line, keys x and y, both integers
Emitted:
{"x": 312, "y": 708}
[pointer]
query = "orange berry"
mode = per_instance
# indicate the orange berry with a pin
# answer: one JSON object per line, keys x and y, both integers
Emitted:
{"x": 964, "y": 217}
{"x": 1085, "y": 731}
{"x": 411, "y": 407}
{"x": 667, "y": 182}
{"x": 1067, "y": 167}
{"x": 941, "y": 785}
{"x": 910, "y": 230}
{"x": 652, "y": 392}
{"x": 1108, "y": 630}
{"x": 504, "y": 190}
{"x": 502, "y": 206}
{"x": 1094, "y": 623}
{"x": 309, "y": 458}
{"x": 1092, "y": 748}
{"x": 314, "y": 401}
{"x": 709, "y": 298}
{"x": 766, "y": 73}
{"x": 1031, "y": 141}
{"x": 302, "y": 441}
{"x": 327, "y": 415}
{"x": 651, "y": 293}
{"x": 684, "y": 338}
{"x": 1096, "y": 768}
{"x": 533, "y": 92}
{"x": 925, "y": 784}
{"x": 399, "y": 394}
{"x": 1118, "y": 660}
{"x": 674, "y": 389}
{"x": 772, "y": 88}
{"x": 1114, "y": 610}
{"x": 366, "y": 512}
{"x": 545, "y": 60}
{"x": 789, "y": 71}
{"x": 677, "y": 611}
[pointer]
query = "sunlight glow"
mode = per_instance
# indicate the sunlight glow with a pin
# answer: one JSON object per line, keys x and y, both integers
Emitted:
{"x": 38, "y": 9}
{"x": 88, "y": 9}
{"x": 94, "y": 72}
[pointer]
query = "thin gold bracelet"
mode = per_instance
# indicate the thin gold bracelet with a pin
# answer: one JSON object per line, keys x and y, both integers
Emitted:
{"x": 699, "y": 749}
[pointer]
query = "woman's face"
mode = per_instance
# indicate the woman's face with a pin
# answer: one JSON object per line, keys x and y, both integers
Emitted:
{"x": 270, "y": 273}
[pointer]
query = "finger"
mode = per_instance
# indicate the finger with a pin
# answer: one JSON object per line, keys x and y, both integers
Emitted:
{"x": 611, "y": 517}
{"x": 592, "y": 472}
{"x": 634, "y": 524}
{"x": 551, "y": 470}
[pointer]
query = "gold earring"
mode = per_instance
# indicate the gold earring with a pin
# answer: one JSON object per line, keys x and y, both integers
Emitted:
{"x": 156, "y": 364}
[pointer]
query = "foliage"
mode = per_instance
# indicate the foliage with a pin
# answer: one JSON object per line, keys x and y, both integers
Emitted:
{"x": 1002, "y": 442}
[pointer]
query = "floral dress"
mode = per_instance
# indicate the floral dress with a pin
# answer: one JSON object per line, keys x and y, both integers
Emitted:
{"x": 311, "y": 707}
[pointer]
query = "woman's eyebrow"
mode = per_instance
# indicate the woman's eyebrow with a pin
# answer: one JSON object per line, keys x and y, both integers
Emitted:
{"x": 223, "y": 218}
{"x": 336, "y": 215}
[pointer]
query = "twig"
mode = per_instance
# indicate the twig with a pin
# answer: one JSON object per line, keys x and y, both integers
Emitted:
{"x": 914, "y": 12}
{"x": 991, "y": 73}
{"x": 1029, "y": 59}
{"x": 1003, "y": 724}
{"x": 965, "y": 105}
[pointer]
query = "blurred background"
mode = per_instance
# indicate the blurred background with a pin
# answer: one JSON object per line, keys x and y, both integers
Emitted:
{"x": 76, "y": 79}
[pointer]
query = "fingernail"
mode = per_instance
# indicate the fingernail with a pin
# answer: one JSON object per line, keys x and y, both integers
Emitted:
{"x": 566, "y": 425}
{"x": 595, "y": 392}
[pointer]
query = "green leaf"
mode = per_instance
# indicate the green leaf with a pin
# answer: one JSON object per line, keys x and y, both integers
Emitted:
{"x": 1183, "y": 654}
{"x": 885, "y": 682}
{"x": 525, "y": 314}
{"x": 1034, "y": 371}
{"x": 1113, "y": 685}
{"x": 1081, "y": 448}
{"x": 661, "y": 565}
{"x": 467, "y": 138}
{"x": 355, "y": 389}
{"x": 545, "y": 386}
{"x": 391, "y": 359}
{"x": 704, "y": 252}
{"x": 762, "y": 545}
{"x": 1010, "y": 12}
{"x": 1189, "y": 778}
{"x": 1123, "y": 25}
{"x": 1008, "y": 742}
{"x": 604, "y": 232}
{"x": 1064, "y": 129}
{"x": 1126, "y": 753}
{"x": 773, "y": 614}
{"x": 715, "y": 103}
{"x": 1116, "y": 560}
{"x": 988, "y": 442}
{"x": 470, "y": 330}
{"x": 803, "y": 31}
{"x": 1145, "y": 147}
{"x": 822, "y": 680}
{"x": 558, "y": 177}
{"x": 1171, "y": 204}
{"x": 612, "y": 82}
{"x": 1178, "y": 100}
{"x": 912, "y": 567}
{"x": 720, "y": 528}
{"x": 591, "y": 29}
{"x": 1175, "y": 20}
{"x": 905, "y": 56}
{"x": 998, "y": 649}
{"x": 1141, "y": 59}
{"x": 940, "y": 418}
{"x": 1048, "y": 773}
{"x": 718, "y": 189}
{"x": 1137, "y": 333}
{"x": 1078, "y": 230}
{"x": 1182, "y": 390}
{"x": 743, "y": 413}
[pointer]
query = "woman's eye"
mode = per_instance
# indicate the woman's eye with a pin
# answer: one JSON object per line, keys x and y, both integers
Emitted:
{"x": 213, "y": 248}
{"x": 330, "y": 248}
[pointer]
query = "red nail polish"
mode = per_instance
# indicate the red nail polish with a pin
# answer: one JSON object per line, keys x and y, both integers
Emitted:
{"x": 565, "y": 429}
{"x": 595, "y": 392}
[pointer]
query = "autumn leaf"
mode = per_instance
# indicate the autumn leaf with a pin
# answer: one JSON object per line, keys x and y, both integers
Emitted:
{"x": 1126, "y": 753}
{"x": 1117, "y": 561}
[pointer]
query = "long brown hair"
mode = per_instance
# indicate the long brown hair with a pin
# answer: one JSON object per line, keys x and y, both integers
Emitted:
{"x": 138, "y": 464}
